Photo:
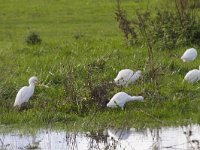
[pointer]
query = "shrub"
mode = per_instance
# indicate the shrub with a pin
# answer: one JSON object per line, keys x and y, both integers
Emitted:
{"x": 33, "y": 39}
{"x": 163, "y": 29}
{"x": 125, "y": 24}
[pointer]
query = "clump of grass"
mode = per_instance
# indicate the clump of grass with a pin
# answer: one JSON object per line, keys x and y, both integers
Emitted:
{"x": 70, "y": 85}
{"x": 78, "y": 35}
{"x": 97, "y": 64}
{"x": 76, "y": 94}
{"x": 33, "y": 38}
{"x": 100, "y": 93}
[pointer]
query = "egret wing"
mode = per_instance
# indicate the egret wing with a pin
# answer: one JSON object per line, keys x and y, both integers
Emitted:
{"x": 22, "y": 96}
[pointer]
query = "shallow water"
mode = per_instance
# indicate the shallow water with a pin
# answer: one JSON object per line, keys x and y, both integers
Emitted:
{"x": 186, "y": 137}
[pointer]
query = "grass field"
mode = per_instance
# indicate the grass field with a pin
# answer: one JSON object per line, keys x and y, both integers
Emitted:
{"x": 75, "y": 36}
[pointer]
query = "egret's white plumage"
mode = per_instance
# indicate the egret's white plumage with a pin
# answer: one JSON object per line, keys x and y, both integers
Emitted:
{"x": 189, "y": 55}
{"x": 192, "y": 76}
{"x": 25, "y": 92}
{"x": 121, "y": 98}
{"x": 126, "y": 77}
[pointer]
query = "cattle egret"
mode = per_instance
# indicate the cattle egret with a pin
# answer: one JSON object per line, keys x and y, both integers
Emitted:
{"x": 126, "y": 77}
{"x": 25, "y": 92}
{"x": 189, "y": 55}
{"x": 121, "y": 98}
{"x": 192, "y": 76}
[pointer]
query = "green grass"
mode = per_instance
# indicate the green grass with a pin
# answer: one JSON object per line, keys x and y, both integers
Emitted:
{"x": 76, "y": 34}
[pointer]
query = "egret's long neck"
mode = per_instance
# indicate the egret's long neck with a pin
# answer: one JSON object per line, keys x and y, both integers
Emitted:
{"x": 32, "y": 85}
{"x": 136, "y": 98}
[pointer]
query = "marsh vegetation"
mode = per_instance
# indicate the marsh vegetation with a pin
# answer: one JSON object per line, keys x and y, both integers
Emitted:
{"x": 78, "y": 47}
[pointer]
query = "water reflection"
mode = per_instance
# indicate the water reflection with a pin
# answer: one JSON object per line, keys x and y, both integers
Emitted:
{"x": 186, "y": 137}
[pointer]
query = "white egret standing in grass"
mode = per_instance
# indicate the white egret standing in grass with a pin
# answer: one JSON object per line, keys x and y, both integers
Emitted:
{"x": 25, "y": 92}
{"x": 193, "y": 76}
{"x": 189, "y": 55}
{"x": 119, "y": 99}
{"x": 126, "y": 77}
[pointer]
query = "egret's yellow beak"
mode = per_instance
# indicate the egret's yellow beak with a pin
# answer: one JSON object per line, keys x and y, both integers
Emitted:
{"x": 42, "y": 84}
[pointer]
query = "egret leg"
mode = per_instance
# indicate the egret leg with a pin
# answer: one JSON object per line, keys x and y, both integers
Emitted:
{"x": 24, "y": 106}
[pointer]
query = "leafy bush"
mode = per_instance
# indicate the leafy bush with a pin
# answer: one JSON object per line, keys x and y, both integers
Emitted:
{"x": 163, "y": 29}
{"x": 170, "y": 30}
{"x": 33, "y": 39}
